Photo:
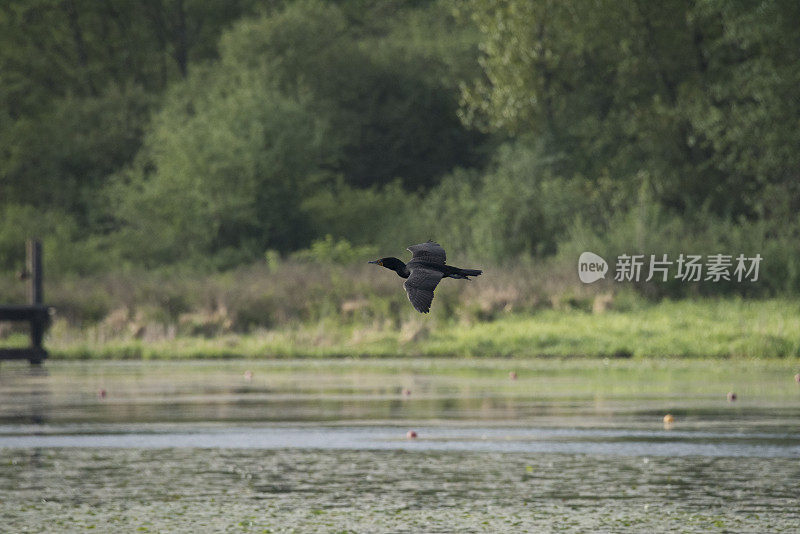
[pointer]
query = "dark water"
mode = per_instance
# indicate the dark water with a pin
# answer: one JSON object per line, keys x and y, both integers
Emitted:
{"x": 321, "y": 447}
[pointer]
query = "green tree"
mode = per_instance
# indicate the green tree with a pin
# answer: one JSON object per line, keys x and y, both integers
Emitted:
{"x": 694, "y": 94}
{"x": 234, "y": 161}
{"x": 61, "y": 158}
{"x": 78, "y": 80}
{"x": 743, "y": 107}
{"x": 225, "y": 165}
{"x": 516, "y": 208}
{"x": 54, "y": 48}
{"x": 388, "y": 106}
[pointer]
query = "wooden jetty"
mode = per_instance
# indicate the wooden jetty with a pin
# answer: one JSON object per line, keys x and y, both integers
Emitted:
{"x": 35, "y": 313}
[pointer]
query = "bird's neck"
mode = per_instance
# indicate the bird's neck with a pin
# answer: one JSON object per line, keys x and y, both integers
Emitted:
{"x": 397, "y": 266}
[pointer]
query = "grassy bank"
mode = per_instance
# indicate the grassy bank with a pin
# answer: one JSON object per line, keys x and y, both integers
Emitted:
{"x": 292, "y": 308}
{"x": 729, "y": 328}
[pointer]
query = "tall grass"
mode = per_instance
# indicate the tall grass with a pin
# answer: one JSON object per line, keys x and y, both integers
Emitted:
{"x": 306, "y": 308}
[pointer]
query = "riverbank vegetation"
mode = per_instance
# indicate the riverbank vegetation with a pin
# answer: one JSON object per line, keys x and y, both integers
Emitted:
{"x": 301, "y": 309}
{"x": 761, "y": 330}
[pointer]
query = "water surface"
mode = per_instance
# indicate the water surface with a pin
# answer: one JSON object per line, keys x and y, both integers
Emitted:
{"x": 321, "y": 446}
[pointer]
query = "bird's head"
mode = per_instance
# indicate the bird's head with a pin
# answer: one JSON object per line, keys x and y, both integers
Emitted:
{"x": 391, "y": 263}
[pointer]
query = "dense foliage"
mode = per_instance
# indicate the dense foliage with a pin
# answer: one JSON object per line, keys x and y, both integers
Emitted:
{"x": 214, "y": 132}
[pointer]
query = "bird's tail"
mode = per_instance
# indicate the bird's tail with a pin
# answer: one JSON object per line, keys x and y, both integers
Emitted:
{"x": 456, "y": 272}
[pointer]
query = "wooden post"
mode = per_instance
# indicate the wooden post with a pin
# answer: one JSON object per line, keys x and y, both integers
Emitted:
{"x": 34, "y": 267}
{"x": 36, "y": 298}
{"x": 35, "y": 313}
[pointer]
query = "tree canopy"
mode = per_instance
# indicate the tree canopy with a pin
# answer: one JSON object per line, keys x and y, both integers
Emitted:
{"x": 172, "y": 131}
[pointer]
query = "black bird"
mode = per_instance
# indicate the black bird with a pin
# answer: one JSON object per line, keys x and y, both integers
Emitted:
{"x": 424, "y": 271}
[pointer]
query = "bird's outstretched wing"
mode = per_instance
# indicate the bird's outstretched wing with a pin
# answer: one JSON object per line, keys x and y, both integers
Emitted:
{"x": 430, "y": 252}
{"x": 420, "y": 286}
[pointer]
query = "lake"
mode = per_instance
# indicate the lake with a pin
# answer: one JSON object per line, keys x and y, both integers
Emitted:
{"x": 322, "y": 446}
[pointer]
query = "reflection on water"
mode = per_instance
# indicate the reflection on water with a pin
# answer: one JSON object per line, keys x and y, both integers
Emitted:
{"x": 625, "y": 394}
{"x": 320, "y": 446}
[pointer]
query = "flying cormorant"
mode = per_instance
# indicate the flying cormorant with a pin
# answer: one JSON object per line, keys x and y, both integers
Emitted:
{"x": 424, "y": 271}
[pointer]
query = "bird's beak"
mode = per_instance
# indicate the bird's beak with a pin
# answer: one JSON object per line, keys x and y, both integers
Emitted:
{"x": 377, "y": 262}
